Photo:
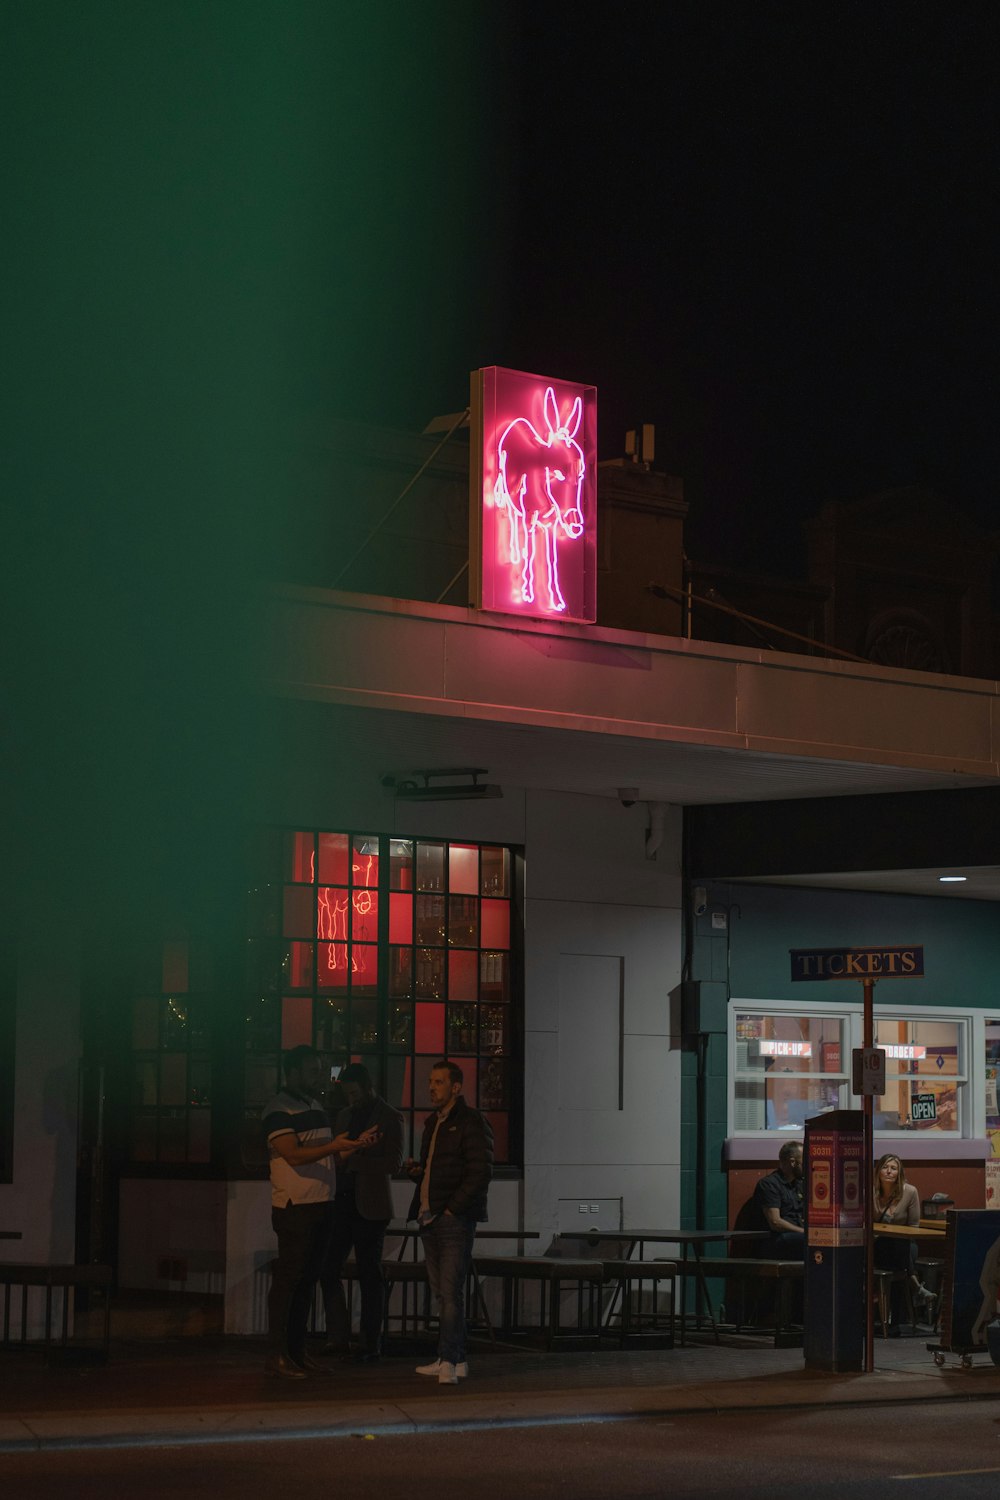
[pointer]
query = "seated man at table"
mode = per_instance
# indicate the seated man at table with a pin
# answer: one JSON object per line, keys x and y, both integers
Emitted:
{"x": 780, "y": 1201}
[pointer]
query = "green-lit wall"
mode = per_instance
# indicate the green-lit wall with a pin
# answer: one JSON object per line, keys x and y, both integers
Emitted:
{"x": 226, "y": 223}
{"x": 961, "y": 941}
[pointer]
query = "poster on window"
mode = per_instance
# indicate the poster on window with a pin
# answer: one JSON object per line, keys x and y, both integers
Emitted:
{"x": 993, "y": 1182}
{"x": 830, "y": 1057}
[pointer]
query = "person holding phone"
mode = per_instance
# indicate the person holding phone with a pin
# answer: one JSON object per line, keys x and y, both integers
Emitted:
{"x": 362, "y": 1208}
{"x": 301, "y": 1151}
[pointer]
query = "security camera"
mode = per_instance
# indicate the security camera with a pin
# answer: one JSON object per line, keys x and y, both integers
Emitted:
{"x": 700, "y": 900}
{"x": 628, "y": 796}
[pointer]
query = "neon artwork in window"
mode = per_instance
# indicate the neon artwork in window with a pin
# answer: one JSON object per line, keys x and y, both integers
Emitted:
{"x": 331, "y": 926}
{"x": 535, "y": 442}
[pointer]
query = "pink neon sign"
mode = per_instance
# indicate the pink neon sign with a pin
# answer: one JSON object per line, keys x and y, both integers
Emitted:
{"x": 533, "y": 496}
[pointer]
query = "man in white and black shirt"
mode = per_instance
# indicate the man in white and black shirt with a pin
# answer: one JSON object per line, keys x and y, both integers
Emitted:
{"x": 301, "y": 1149}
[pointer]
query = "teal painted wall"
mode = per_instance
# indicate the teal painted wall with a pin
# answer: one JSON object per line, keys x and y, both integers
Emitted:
{"x": 961, "y": 941}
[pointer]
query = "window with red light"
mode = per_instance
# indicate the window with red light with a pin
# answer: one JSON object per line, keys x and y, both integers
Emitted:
{"x": 392, "y": 952}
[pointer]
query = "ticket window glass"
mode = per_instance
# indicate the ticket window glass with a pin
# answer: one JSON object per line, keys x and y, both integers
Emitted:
{"x": 926, "y": 1073}
{"x": 789, "y": 1066}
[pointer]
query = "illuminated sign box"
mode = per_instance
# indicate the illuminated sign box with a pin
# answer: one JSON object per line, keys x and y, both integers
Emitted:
{"x": 533, "y": 495}
{"x": 786, "y": 1049}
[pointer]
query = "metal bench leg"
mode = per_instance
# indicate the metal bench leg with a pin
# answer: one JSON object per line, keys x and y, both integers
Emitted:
{"x": 781, "y": 1316}
{"x": 554, "y": 1306}
{"x": 480, "y": 1300}
{"x": 48, "y": 1319}
{"x": 703, "y": 1287}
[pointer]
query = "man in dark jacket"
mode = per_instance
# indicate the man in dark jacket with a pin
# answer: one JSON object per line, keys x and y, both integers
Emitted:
{"x": 362, "y": 1208}
{"x": 452, "y": 1176}
{"x": 780, "y": 1201}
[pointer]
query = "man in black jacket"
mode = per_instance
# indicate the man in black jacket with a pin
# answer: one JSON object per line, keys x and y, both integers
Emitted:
{"x": 362, "y": 1208}
{"x": 453, "y": 1177}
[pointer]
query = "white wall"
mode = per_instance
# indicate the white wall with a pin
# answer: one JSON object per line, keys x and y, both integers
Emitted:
{"x": 41, "y": 1200}
{"x": 602, "y": 953}
{"x": 602, "y": 930}
{"x": 180, "y": 1221}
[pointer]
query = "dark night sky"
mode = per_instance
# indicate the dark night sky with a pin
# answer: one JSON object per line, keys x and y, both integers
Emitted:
{"x": 769, "y": 229}
{"x": 783, "y": 251}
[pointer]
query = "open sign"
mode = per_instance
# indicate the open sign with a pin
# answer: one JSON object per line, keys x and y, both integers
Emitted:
{"x": 923, "y": 1108}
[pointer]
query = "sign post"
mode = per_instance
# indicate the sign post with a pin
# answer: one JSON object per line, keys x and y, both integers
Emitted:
{"x": 868, "y": 965}
{"x": 867, "y": 1104}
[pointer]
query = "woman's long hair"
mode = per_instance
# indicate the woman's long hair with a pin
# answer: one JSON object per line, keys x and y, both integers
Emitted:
{"x": 900, "y": 1179}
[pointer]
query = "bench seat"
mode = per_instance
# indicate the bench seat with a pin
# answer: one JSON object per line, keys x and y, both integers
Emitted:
{"x": 779, "y": 1275}
{"x": 552, "y": 1275}
{"x": 759, "y": 1268}
{"x": 635, "y": 1324}
{"x": 25, "y": 1274}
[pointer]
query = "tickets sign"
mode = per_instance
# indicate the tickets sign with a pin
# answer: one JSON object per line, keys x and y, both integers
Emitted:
{"x": 896, "y": 962}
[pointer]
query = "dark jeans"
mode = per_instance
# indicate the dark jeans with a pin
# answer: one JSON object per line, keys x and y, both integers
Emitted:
{"x": 303, "y": 1230}
{"x": 899, "y": 1256}
{"x": 366, "y": 1237}
{"x": 786, "y": 1245}
{"x": 448, "y": 1252}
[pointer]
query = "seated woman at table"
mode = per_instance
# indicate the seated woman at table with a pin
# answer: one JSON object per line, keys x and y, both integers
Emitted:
{"x": 895, "y": 1201}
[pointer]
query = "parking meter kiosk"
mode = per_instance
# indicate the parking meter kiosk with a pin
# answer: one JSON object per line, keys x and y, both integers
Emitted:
{"x": 836, "y": 1184}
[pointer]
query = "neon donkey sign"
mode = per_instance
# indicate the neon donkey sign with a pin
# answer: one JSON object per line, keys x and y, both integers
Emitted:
{"x": 533, "y": 495}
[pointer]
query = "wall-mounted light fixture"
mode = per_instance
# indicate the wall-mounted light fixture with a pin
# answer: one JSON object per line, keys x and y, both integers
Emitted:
{"x": 435, "y": 786}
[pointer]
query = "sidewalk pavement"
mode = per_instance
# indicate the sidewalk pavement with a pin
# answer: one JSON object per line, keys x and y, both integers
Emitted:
{"x": 209, "y": 1391}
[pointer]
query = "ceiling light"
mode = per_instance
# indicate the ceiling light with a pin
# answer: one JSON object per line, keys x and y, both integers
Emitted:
{"x": 951, "y": 879}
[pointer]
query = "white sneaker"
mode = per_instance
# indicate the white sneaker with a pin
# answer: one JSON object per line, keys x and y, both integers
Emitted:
{"x": 461, "y": 1370}
{"x": 447, "y": 1375}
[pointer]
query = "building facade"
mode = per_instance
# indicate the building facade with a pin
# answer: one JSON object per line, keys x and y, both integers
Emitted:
{"x": 547, "y": 937}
